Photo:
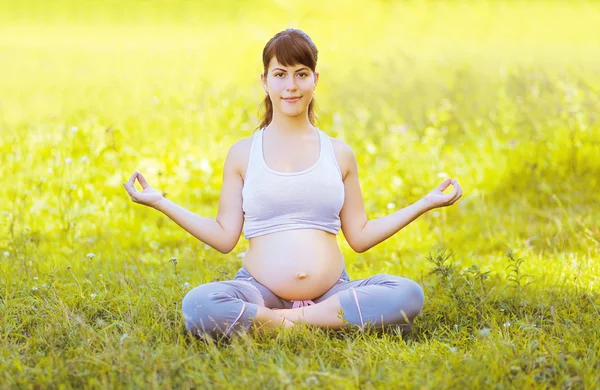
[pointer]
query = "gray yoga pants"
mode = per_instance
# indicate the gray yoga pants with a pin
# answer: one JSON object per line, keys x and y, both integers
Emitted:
{"x": 220, "y": 308}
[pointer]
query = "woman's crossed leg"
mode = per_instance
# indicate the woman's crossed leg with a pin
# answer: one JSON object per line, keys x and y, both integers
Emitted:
{"x": 220, "y": 308}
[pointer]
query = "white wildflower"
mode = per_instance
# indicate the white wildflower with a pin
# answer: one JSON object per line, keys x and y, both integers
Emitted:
{"x": 485, "y": 332}
{"x": 74, "y": 129}
{"x": 6, "y": 253}
{"x": 34, "y": 288}
{"x": 35, "y": 278}
{"x": 507, "y": 324}
{"x": 391, "y": 205}
{"x": 186, "y": 285}
{"x": 90, "y": 255}
{"x": 123, "y": 338}
{"x": 312, "y": 380}
{"x": 84, "y": 159}
{"x": 442, "y": 175}
{"x": 93, "y": 295}
{"x": 68, "y": 160}
{"x": 161, "y": 251}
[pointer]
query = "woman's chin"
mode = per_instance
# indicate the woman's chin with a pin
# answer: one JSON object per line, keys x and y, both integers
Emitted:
{"x": 294, "y": 113}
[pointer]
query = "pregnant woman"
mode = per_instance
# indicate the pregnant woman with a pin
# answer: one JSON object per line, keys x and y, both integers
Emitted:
{"x": 292, "y": 187}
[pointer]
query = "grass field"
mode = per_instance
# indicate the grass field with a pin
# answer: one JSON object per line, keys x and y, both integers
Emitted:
{"x": 504, "y": 96}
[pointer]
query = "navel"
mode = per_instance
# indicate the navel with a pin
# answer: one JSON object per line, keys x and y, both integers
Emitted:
{"x": 301, "y": 275}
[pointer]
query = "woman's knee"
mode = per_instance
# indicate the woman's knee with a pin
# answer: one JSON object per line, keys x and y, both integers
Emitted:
{"x": 201, "y": 308}
{"x": 410, "y": 296}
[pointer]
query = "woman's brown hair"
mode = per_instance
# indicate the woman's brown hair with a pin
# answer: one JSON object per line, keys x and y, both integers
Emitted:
{"x": 290, "y": 47}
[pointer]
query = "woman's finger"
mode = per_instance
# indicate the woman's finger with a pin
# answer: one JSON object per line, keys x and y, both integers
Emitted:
{"x": 458, "y": 193}
{"x": 444, "y": 184}
{"x": 130, "y": 190}
{"x": 127, "y": 188}
{"x": 131, "y": 181}
{"x": 142, "y": 181}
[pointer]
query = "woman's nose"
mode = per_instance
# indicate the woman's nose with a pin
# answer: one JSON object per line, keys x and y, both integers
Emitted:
{"x": 291, "y": 85}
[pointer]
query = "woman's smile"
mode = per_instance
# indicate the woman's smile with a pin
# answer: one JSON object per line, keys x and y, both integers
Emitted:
{"x": 291, "y": 100}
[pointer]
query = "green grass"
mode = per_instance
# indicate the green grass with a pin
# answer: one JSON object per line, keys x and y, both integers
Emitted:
{"x": 504, "y": 96}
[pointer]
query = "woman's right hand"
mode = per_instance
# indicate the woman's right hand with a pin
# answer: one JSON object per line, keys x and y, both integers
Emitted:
{"x": 148, "y": 196}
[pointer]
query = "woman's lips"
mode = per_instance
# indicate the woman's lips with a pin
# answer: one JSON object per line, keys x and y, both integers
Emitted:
{"x": 292, "y": 100}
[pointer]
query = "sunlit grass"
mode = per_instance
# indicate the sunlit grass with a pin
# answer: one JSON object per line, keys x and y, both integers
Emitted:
{"x": 494, "y": 94}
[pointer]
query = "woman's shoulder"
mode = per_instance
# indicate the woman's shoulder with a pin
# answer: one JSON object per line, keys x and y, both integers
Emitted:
{"x": 242, "y": 146}
{"x": 343, "y": 154}
{"x": 240, "y": 152}
{"x": 340, "y": 146}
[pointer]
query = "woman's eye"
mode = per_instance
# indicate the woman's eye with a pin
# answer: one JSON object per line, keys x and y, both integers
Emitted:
{"x": 278, "y": 74}
{"x": 303, "y": 74}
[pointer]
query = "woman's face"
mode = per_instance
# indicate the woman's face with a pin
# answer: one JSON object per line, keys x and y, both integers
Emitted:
{"x": 283, "y": 83}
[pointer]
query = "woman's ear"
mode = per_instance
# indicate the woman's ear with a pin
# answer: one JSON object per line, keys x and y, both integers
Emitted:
{"x": 316, "y": 78}
{"x": 263, "y": 81}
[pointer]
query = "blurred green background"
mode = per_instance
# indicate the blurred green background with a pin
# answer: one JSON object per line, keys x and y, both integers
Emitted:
{"x": 502, "y": 95}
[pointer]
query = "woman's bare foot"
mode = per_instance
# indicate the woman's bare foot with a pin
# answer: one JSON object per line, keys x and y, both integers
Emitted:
{"x": 269, "y": 319}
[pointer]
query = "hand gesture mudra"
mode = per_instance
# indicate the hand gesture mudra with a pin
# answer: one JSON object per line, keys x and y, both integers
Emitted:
{"x": 148, "y": 196}
{"x": 436, "y": 197}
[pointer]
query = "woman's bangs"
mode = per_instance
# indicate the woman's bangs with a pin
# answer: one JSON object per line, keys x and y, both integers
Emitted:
{"x": 290, "y": 51}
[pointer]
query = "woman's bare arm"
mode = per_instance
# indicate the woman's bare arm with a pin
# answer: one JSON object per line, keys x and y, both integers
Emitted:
{"x": 221, "y": 234}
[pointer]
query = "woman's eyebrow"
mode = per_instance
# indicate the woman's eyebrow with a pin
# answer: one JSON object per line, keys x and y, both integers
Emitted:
{"x": 298, "y": 70}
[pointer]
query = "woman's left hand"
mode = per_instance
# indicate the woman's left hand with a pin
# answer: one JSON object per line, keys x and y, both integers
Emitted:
{"x": 436, "y": 198}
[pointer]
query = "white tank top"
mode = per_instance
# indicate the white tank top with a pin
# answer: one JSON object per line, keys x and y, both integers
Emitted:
{"x": 273, "y": 201}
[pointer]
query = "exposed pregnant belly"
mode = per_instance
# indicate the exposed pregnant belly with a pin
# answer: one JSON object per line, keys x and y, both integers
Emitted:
{"x": 297, "y": 264}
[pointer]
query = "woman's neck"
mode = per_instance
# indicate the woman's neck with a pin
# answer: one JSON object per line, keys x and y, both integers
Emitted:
{"x": 291, "y": 126}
